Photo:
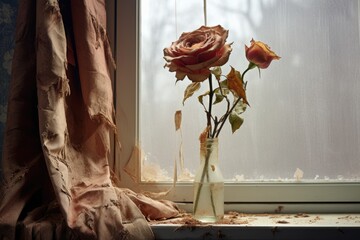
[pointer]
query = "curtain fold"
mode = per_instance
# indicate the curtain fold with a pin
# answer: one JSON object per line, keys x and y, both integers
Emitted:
{"x": 57, "y": 140}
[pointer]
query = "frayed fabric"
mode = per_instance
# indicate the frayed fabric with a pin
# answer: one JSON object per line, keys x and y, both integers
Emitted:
{"x": 57, "y": 181}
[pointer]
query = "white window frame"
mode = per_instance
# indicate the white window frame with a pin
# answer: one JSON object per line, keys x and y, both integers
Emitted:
{"x": 246, "y": 197}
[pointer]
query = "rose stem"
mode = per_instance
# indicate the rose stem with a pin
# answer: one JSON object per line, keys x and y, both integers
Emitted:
{"x": 211, "y": 193}
{"x": 206, "y": 167}
{"x": 211, "y": 94}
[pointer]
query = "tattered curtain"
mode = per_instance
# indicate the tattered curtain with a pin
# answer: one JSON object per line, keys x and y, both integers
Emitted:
{"x": 57, "y": 180}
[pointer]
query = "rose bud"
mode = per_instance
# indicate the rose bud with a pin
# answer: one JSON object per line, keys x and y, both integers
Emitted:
{"x": 260, "y": 54}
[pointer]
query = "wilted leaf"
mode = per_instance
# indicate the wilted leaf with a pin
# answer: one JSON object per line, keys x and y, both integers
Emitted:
{"x": 235, "y": 84}
{"x": 190, "y": 90}
{"x": 217, "y": 72}
{"x": 178, "y": 116}
{"x": 235, "y": 121}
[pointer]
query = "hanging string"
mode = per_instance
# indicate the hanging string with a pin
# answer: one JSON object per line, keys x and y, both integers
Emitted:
{"x": 176, "y": 26}
{"x": 205, "y": 15}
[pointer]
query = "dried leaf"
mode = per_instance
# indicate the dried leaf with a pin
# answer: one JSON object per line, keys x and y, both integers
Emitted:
{"x": 235, "y": 84}
{"x": 204, "y": 134}
{"x": 178, "y": 116}
{"x": 190, "y": 90}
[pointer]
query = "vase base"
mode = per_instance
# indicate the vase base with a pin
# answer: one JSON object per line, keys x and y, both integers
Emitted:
{"x": 207, "y": 219}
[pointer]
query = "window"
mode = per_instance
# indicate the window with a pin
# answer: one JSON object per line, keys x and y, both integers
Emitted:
{"x": 305, "y": 109}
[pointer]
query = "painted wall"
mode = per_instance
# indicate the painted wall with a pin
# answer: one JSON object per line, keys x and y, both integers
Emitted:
{"x": 8, "y": 12}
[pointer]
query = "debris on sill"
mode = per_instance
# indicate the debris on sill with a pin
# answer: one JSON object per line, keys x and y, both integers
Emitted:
{"x": 185, "y": 220}
{"x": 153, "y": 172}
{"x": 298, "y": 175}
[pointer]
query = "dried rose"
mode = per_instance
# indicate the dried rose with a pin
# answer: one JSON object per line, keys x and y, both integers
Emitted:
{"x": 260, "y": 54}
{"x": 194, "y": 53}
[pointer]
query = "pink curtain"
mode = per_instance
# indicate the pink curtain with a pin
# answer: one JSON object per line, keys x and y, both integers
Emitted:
{"x": 57, "y": 140}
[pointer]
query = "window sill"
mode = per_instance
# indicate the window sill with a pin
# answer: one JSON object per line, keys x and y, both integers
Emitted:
{"x": 262, "y": 226}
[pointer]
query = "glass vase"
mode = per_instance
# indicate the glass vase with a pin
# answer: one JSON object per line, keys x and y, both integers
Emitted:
{"x": 208, "y": 184}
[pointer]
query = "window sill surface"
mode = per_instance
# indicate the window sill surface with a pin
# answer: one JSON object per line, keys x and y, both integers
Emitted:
{"x": 262, "y": 226}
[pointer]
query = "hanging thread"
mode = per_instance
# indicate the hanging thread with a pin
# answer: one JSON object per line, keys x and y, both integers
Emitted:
{"x": 176, "y": 27}
{"x": 205, "y": 15}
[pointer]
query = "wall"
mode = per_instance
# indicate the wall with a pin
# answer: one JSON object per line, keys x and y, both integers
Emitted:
{"x": 8, "y": 11}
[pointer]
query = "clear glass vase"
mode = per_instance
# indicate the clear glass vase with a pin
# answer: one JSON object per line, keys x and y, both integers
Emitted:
{"x": 208, "y": 184}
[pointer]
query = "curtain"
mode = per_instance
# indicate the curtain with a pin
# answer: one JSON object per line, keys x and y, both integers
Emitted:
{"x": 57, "y": 139}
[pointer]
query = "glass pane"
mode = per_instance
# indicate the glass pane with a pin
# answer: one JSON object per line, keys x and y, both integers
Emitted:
{"x": 305, "y": 108}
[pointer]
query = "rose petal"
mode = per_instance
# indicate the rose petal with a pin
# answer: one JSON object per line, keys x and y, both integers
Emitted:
{"x": 198, "y": 77}
{"x": 224, "y": 57}
{"x": 180, "y": 75}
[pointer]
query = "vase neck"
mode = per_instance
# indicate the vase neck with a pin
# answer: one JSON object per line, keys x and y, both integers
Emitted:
{"x": 209, "y": 150}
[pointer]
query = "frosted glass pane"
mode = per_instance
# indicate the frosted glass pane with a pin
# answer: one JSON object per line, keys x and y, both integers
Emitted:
{"x": 305, "y": 109}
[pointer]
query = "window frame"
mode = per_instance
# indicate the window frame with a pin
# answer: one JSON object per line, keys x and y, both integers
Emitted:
{"x": 252, "y": 197}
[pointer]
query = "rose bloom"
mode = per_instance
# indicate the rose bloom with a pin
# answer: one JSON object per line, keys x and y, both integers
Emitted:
{"x": 194, "y": 53}
{"x": 260, "y": 54}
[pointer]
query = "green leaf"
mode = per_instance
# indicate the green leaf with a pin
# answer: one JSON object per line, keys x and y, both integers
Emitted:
{"x": 217, "y": 72}
{"x": 224, "y": 84}
{"x": 240, "y": 107}
{"x": 190, "y": 90}
{"x": 200, "y": 98}
{"x": 221, "y": 92}
{"x": 234, "y": 118}
{"x": 235, "y": 121}
{"x": 218, "y": 96}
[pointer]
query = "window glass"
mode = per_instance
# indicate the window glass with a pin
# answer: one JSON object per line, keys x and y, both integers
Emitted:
{"x": 305, "y": 108}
